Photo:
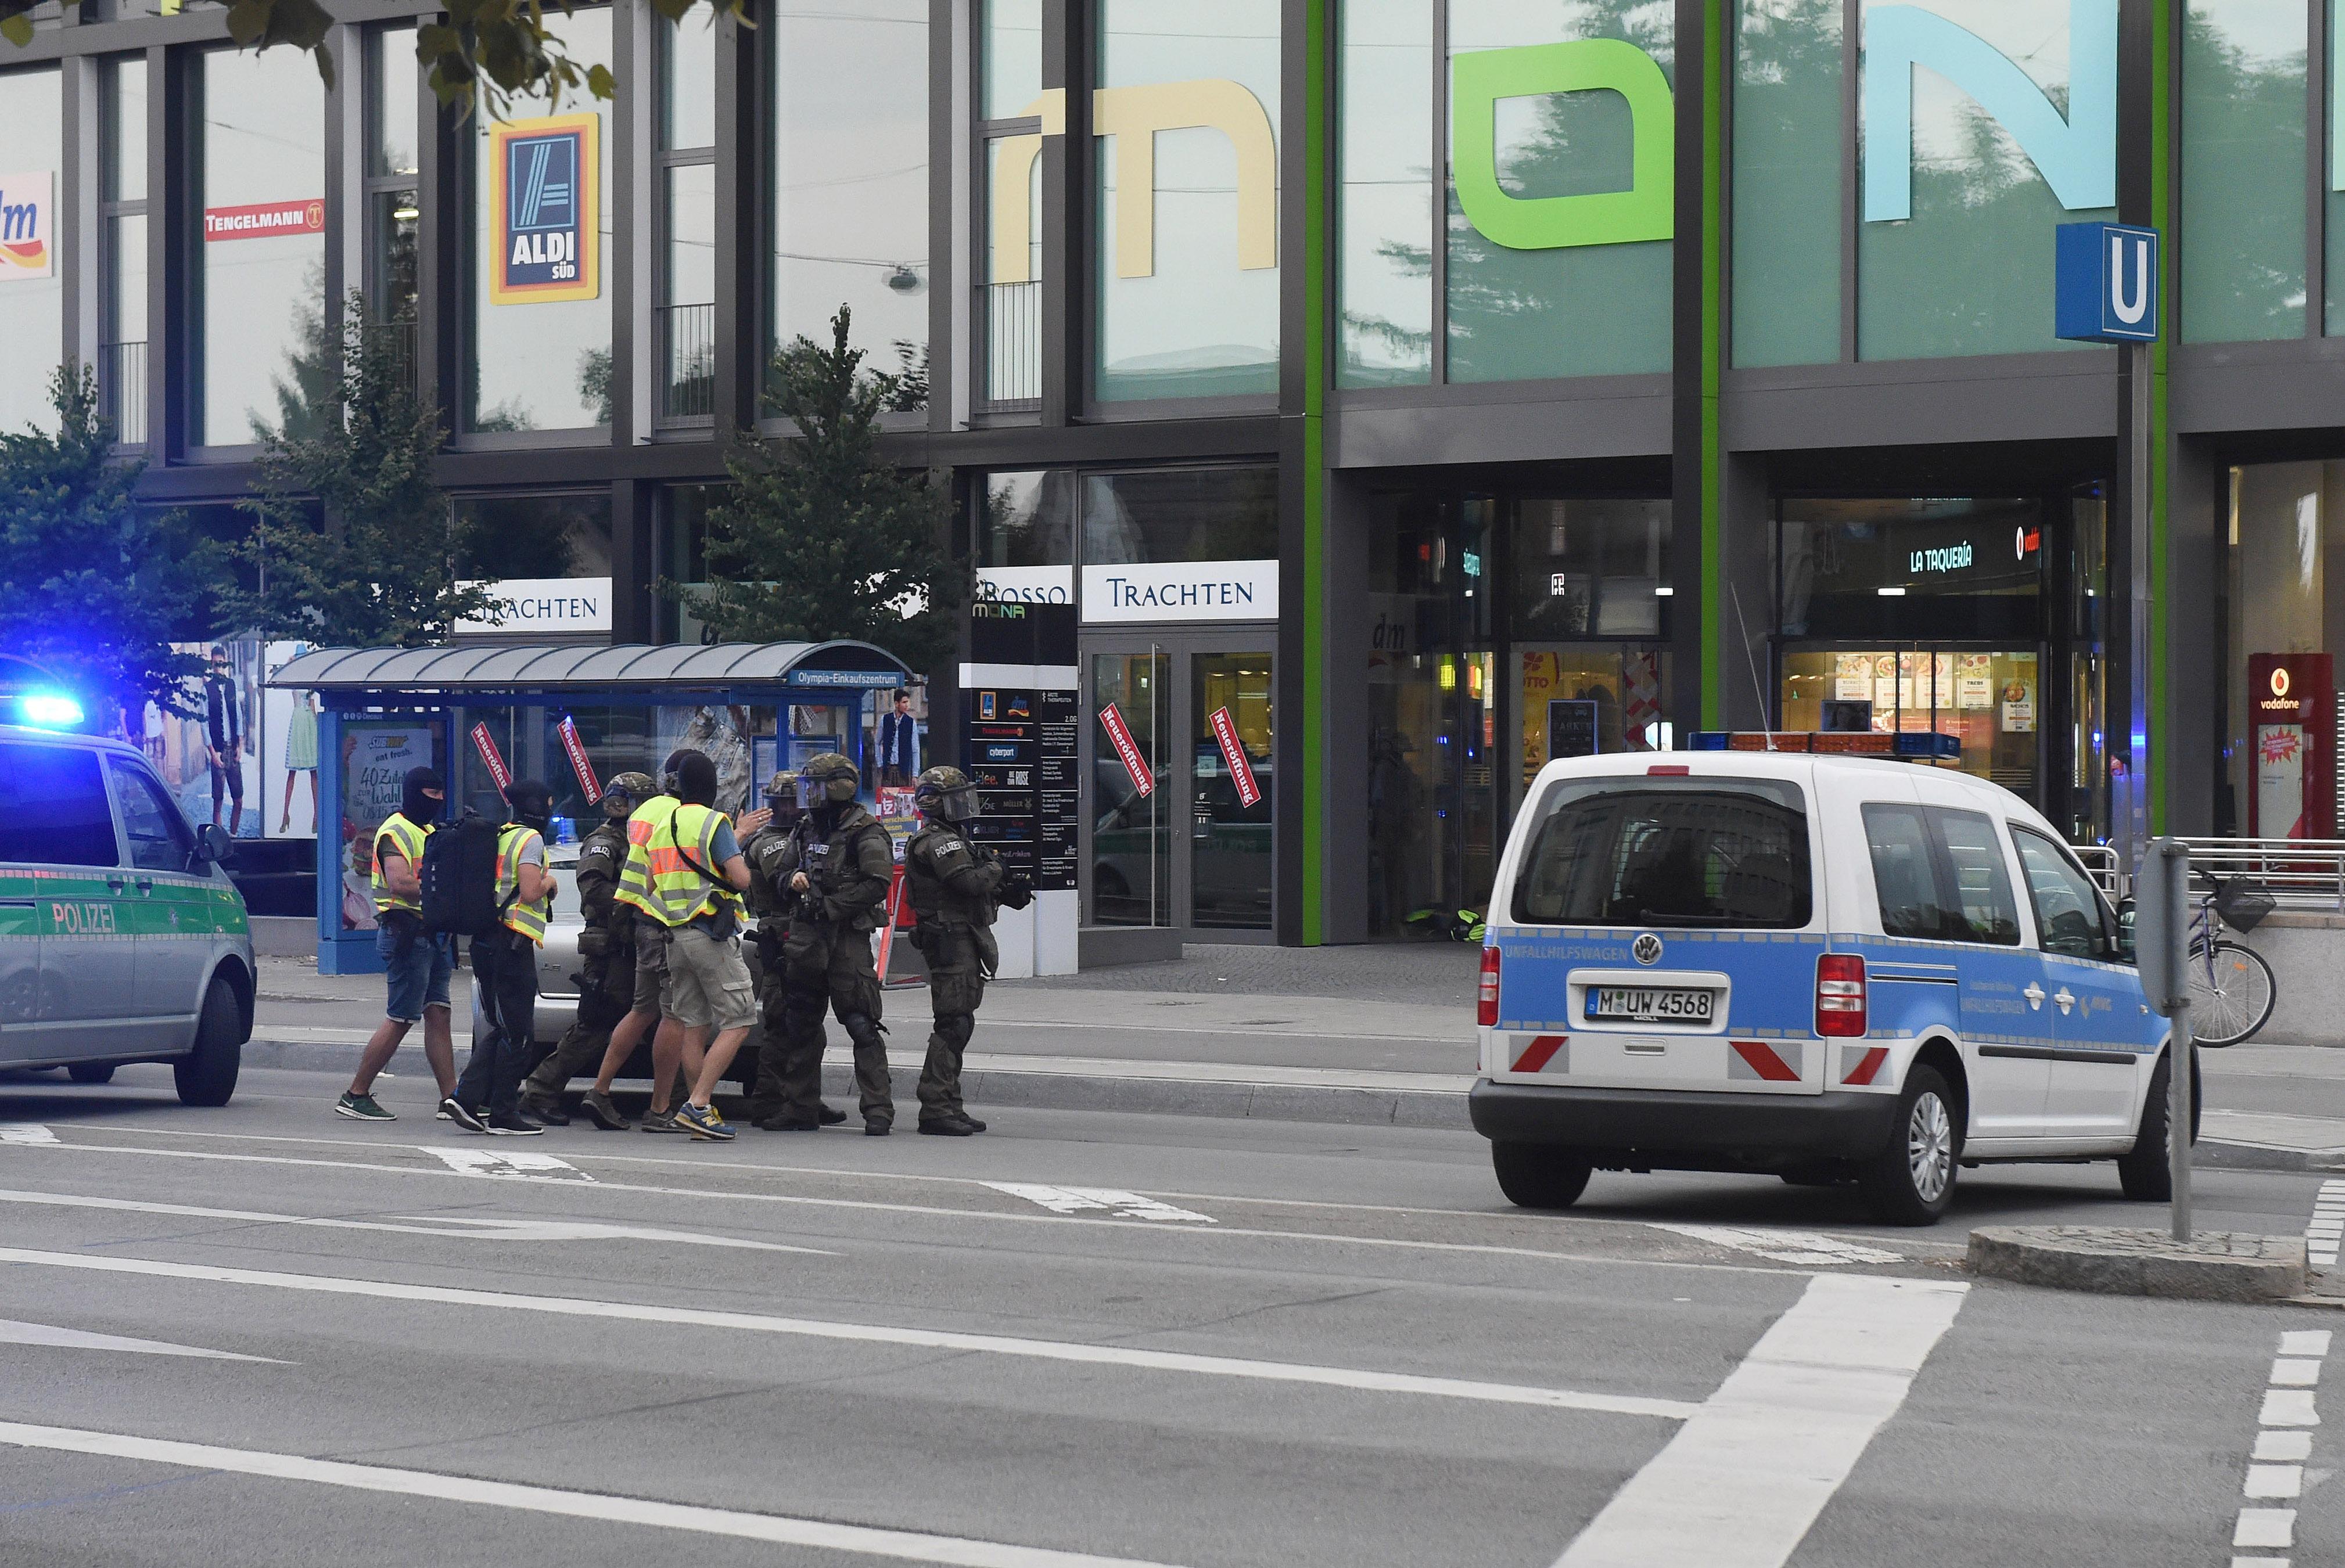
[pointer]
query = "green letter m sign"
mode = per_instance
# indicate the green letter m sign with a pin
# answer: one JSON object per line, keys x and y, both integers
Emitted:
{"x": 1643, "y": 211}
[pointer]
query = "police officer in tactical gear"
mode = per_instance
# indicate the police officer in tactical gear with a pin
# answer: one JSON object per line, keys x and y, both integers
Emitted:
{"x": 956, "y": 887}
{"x": 606, "y": 978}
{"x": 772, "y": 858}
{"x": 833, "y": 874}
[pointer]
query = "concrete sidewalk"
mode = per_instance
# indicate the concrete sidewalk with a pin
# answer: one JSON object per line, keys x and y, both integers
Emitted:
{"x": 1359, "y": 1034}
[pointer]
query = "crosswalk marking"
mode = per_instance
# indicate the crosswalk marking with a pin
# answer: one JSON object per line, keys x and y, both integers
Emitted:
{"x": 2327, "y": 1227}
{"x": 1081, "y": 1199}
{"x": 25, "y": 1132}
{"x": 525, "y": 1164}
{"x": 1784, "y": 1246}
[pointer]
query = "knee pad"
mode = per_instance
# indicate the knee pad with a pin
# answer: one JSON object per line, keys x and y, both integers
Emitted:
{"x": 862, "y": 1028}
{"x": 957, "y": 1029}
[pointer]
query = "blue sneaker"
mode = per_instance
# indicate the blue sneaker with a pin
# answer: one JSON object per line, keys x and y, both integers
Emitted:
{"x": 703, "y": 1122}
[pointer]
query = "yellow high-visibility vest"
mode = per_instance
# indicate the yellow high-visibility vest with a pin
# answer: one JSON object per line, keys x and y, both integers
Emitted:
{"x": 406, "y": 838}
{"x": 529, "y": 919}
{"x": 659, "y": 879}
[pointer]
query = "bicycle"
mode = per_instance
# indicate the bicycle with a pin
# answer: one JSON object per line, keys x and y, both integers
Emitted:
{"x": 2232, "y": 993}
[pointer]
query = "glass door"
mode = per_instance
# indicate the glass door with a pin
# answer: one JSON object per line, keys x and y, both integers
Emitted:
{"x": 1180, "y": 817}
{"x": 1130, "y": 816}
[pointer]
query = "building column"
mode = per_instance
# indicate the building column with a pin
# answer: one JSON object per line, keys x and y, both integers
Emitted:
{"x": 1698, "y": 555}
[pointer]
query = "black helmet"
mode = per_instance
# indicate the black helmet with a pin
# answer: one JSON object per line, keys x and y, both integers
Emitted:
{"x": 625, "y": 792}
{"x": 827, "y": 779}
{"x": 945, "y": 795}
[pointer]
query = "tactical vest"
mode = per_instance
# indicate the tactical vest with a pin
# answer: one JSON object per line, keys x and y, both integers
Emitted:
{"x": 840, "y": 865}
{"x": 936, "y": 904}
{"x": 408, "y": 838}
{"x": 528, "y": 919}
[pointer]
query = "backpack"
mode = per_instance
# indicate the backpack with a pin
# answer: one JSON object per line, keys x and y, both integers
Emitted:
{"x": 460, "y": 878}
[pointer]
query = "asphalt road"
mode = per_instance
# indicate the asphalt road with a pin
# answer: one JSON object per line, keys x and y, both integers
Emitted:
{"x": 1084, "y": 1338}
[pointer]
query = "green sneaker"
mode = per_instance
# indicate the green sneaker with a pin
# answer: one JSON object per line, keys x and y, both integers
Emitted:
{"x": 703, "y": 1122}
{"x": 362, "y": 1108}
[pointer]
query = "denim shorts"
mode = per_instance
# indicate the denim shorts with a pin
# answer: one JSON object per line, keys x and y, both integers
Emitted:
{"x": 418, "y": 975}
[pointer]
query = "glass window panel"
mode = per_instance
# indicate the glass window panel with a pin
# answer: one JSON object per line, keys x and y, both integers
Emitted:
{"x": 1027, "y": 518}
{"x": 537, "y": 364}
{"x": 1181, "y": 514}
{"x": 688, "y": 81}
{"x": 2334, "y": 228}
{"x": 691, "y": 271}
{"x": 392, "y": 102}
{"x": 1718, "y": 852}
{"x": 32, "y": 307}
{"x": 1518, "y": 314}
{"x": 159, "y": 836}
{"x": 1188, "y": 284}
{"x": 2068, "y": 906}
{"x": 1385, "y": 238}
{"x": 523, "y": 536}
{"x": 265, "y": 361}
{"x": 1012, "y": 58}
{"x": 2243, "y": 113}
{"x": 850, "y": 200}
{"x": 53, "y": 808}
{"x": 1591, "y": 569}
{"x": 123, "y": 92}
{"x": 1787, "y": 197}
{"x": 1971, "y": 271}
{"x": 1904, "y": 875}
{"x": 1982, "y": 889}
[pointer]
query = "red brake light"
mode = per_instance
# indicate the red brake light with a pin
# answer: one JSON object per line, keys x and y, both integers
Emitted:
{"x": 1486, "y": 1006}
{"x": 1839, "y": 996}
{"x": 1668, "y": 770}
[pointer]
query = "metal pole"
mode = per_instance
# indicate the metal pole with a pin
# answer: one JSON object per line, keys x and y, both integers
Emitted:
{"x": 2178, "y": 1114}
{"x": 2168, "y": 862}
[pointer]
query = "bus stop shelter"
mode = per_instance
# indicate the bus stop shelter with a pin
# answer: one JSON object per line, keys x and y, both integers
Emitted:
{"x": 569, "y": 715}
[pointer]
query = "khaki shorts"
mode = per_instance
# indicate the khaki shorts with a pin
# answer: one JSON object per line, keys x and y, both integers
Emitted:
{"x": 707, "y": 983}
{"x": 651, "y": 964}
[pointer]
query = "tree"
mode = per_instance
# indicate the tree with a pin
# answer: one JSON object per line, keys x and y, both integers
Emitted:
{"x": 353, "y": 542}
{"x": 92, "y": 585}
{"x": 820, "y": 536}
{"x": 480, "y": 45}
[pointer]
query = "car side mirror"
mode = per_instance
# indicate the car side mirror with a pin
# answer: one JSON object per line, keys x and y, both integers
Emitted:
{"x": 213, "y": 846}
{"x": 2125, "y": 913}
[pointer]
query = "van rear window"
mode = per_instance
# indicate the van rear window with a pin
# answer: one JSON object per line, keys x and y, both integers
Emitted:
{"x": 1669, "y": 852}
{"x": 52, "y": 807}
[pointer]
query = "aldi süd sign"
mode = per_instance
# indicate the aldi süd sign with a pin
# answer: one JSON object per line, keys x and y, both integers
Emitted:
{"x": 544, "y": 178}
{"x": 28, "y": 226}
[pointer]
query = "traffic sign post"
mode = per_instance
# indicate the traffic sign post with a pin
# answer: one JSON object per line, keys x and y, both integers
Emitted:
{"x": 2161, "y": 902}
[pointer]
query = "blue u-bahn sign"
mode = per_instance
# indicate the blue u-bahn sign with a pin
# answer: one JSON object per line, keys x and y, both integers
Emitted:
{"x": 2108, "y": 284}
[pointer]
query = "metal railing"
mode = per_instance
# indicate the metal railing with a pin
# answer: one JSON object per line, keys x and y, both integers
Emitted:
{"x": 2299, "y": 873}
{"x": 687, "y": 349}
{"x": 122, "y": 390}
{"x": 1009, "y": 325}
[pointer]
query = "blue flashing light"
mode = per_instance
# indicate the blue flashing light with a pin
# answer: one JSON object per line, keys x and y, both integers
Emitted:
{"x": 1710, "y": 741}
{"x": 1929, "y": 744}
{"x": 49, "y": 711}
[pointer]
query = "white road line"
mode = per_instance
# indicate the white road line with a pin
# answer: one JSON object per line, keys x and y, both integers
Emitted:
{"x": 1783, "y": 1246}
{"x": 464, "y": 1226}
{"x": 2276, "y": 1468}
{"x": 2327, "y": 1227}
{"x": 525, "y": 1165}
{"x": 1745, "y": 1478}
{"x": 904, "y": 1545}
{"x": 13, "y": 1333}
{"x": 1078, "y": 1199}
{"x": 877, "y": 1334}
{"x": 26, "y": 1132}
{"x": 941, "y": 1211}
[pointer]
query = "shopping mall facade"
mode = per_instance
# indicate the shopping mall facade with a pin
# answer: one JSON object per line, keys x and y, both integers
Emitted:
{"x": 1427, "y": 386}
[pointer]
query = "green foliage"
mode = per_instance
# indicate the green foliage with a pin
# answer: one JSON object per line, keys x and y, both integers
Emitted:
{"x": 820, "y": 536}
{"x": 91, "y": 585}
{"x": 353, "y": 542}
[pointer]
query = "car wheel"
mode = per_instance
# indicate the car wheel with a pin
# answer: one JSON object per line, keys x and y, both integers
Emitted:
{"x": 90, "y": 1072}
{"x": 2144, "y": 1171}
{"x": 207, "y": 1075}
{"x": 1538, "y": 1175}
{"x": 1912, "y": 1180}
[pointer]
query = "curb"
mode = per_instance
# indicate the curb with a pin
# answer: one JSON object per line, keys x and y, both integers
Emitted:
{"x": 2215, "y": 1266}
{"x": 2209, "y": 1154}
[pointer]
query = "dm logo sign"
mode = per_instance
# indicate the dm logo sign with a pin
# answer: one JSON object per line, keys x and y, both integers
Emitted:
{"x": 542, "y": 180}
{"x": 27, "y": 217}
{"x": 2107, "y": 286}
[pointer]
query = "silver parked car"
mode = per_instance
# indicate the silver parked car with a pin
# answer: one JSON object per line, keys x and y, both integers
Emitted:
{"x": 121, "y": 937}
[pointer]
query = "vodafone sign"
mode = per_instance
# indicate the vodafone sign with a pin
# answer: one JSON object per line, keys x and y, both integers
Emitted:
{"x": 265, "y": 219}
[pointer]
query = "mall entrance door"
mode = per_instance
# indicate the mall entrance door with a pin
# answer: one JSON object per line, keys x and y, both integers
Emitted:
{"x": 1177, "y": 822}
{"x": 1990, "y": 700}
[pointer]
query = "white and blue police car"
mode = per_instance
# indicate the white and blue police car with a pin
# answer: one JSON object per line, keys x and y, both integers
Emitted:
{"x": 1826, "y": 967}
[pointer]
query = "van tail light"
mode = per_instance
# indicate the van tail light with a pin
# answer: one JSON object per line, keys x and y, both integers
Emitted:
{"x": 1485, "y": 1001}
{"x": 1840, "y": 995}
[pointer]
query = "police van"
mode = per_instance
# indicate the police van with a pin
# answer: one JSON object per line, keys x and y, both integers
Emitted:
{"x": 1768, "y": 954}
{"x": 121, "y": 937}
